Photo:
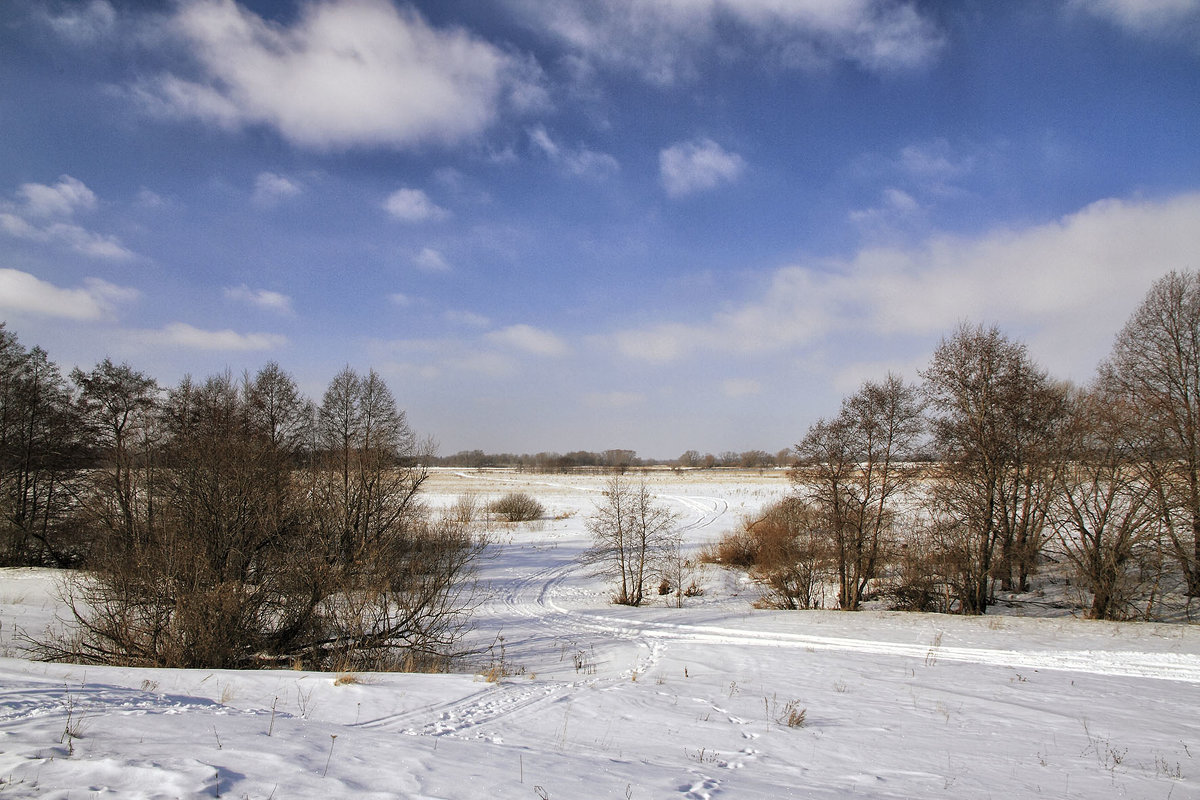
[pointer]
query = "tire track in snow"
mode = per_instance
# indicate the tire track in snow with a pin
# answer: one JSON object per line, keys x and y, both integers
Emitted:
{"x": 1165, "y": 666}
{"x": 533, "y": 597}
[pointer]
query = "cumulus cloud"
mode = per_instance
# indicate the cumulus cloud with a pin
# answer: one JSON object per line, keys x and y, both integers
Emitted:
{"x": 45, "y": 213}
{"x": 345, "y": 73}
{"x": 96, "y": 299}
{"x": 935, "y": 161}
{"x": 689, "y": 167}
{"x": 431, "y": 260}
{"x": 580, "y": 162}
{"x": 665, "y": 42}
{"x": 467, "y": 318}
{"x": 62, "y": 199}
{"x": 530, "y": 340}
{"x": 1155, "y": 17}
{"x": 181, "y": 334}
{"x": 260, "y": 298}
{"x": 1066, "y": 285}
{"x": 895, "y": 206}
{"x": 413, "y": 205}
{"x": 147, "y": 198}
{"x": 66, "y": 234}
{"x": 270, "y": 189}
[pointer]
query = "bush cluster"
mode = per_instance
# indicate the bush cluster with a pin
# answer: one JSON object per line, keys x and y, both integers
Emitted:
{"x": 228, "y": 523}
{"x": 517, "y": 507}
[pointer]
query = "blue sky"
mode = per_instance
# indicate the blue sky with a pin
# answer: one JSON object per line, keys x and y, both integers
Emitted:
{"x": 563, "y": 224}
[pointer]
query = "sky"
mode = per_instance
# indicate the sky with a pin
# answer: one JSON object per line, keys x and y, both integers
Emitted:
{"x": 557, "y": 225}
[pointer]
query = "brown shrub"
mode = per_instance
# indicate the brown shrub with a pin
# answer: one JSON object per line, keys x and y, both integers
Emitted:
{"x": 517, "y": 507}
{"x": 785, "y": 549}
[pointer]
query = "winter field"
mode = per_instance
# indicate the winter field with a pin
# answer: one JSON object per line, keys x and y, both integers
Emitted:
{"x": 573, "y": 697}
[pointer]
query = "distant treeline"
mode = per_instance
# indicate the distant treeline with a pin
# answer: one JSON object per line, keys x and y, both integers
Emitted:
{"x": 614, "y": 459}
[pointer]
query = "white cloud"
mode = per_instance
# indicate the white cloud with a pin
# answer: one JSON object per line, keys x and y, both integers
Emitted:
{"x": 68, "y": 235}
{"x": 44, "y": 213}
{"x": 413, "y": 205}
{"x": 345, "y": 73}
{"x": 430, "y": 260}
{"x": 580, "y": 162}
{"x": 95, "y": 245}
{"x": 1066, "y": 285}
{"x": 433, "y": 358}
{"x": 261, "y": 298}
{"x": 181, "y": 334}
{"x": 689, "y": 167}
{"x": 468, "y": 318}
{"x": 895, "y": 206}
{"x": 666, "y": 41}
{"x": 1146, "y": 16}
{"x": 934, "y": 161}
{"x": 62, "y": 199}
{"x": 529, "y": 339}
{"x": 84, "y": 24}
{"x": 270, "y": 189}
{"x": 401, "y": 300}
{"x": 147, "y": 198}
{"x": 97, "y": 299}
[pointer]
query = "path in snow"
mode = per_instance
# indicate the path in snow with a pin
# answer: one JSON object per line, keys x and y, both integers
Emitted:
{"x": 542, "y": 600}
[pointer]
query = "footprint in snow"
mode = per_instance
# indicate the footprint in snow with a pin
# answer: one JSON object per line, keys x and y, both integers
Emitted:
{"x": 704, "y": 790}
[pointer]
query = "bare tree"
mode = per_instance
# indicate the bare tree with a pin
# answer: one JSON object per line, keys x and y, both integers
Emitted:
{"x": 1104, "y": 512}
{"x": 120, "y": 414}
{"x": 850, "y": 474}
{"x": 370, "y": 466}
{"x": 994, "y": 416}
{"x": 40, "y": 452}
{"x": 277, "y": 408}
{"x": 403, "y": 578}
{"x": 253, "y": 558}
{"x": 1155, "y": 367}
{"x": 214, "y": 581}
{"x": 633, "y": 536}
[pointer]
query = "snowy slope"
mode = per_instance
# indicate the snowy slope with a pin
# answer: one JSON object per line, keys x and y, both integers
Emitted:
{"x": 607, "y": 701}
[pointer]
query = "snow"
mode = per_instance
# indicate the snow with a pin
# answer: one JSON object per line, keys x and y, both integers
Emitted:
{"x": 606, "y": 701}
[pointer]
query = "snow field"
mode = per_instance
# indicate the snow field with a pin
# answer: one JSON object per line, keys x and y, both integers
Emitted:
{"x": 606, "y": 701}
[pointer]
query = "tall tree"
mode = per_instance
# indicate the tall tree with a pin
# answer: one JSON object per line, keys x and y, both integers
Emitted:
{"x": 40, "y": 452}
{"x": 1155, "y": 367}
{"x": 120, "y": 411}
{"x": 850, "y": 474}
{"x": 371, "y": 465}
{"x": 993, "y": 413}
{"x": 1104, "y": 512}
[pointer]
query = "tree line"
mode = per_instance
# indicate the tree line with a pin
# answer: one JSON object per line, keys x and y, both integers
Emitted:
{"x": 229, "y": 522}
{"x": 552, "y": 462}
{"x": 1103, "y": 478}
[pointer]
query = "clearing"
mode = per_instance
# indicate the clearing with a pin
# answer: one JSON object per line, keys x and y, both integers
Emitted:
{"x": 586, "y": 699}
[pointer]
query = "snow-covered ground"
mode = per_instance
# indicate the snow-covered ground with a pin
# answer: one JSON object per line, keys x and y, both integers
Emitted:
{"x": 605, "y": 701}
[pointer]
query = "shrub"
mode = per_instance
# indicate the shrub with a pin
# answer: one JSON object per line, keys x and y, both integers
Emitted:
{"x": 785, "y": 549}
{"x": 734, "y": 549}
{"x": 517, "y": 507}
